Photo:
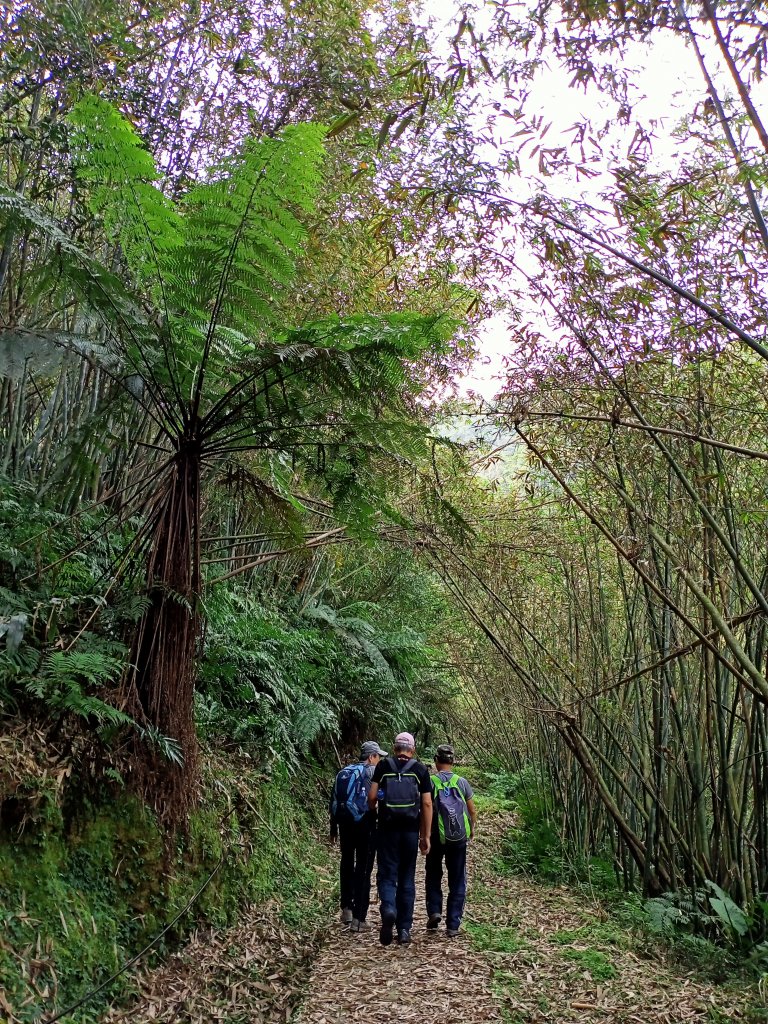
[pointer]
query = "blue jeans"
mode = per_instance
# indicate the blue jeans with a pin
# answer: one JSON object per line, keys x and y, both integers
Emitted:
{"x": 397, "y": 853}
{"x": 455, "y": 855}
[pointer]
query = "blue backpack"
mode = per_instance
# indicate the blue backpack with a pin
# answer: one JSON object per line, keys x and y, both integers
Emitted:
{"x": 400, "y": 791}
{"x": 350, "y": 793}
{"x": 451, "y": 809}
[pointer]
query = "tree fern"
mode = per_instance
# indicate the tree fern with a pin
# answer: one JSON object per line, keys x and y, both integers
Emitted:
{"x": 199, "y": 328}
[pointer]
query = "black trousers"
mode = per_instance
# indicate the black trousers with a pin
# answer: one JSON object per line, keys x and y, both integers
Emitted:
{"x": 357, "y": 844}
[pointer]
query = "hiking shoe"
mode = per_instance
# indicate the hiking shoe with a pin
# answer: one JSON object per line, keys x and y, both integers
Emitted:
{"x": 385, "y": 932}
{"x": 404, "y": 936}
{"x": 346, "y": 915}
{"x": 354, "y": 925}
{"x": 451, "y": 932}
{"x": 362, "y": 926}
{"x": 434, "y": 921}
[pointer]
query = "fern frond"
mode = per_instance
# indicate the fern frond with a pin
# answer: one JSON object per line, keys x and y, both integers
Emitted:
{"x": 69, "y": 270}
{"x": 111, "y": 161}
{"x": 241, "y": 236}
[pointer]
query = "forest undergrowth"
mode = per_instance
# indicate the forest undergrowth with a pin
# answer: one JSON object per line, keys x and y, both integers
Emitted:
{"x": 81, "y": 897}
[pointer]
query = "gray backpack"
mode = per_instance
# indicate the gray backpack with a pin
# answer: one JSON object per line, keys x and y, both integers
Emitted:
{"x": 451, "y": 809}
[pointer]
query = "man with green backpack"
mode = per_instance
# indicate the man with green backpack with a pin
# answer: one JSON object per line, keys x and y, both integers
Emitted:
{"x": 453, "y": 825}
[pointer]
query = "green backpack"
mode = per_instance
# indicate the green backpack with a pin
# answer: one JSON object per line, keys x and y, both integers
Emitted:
{"x": 451, "y": 809}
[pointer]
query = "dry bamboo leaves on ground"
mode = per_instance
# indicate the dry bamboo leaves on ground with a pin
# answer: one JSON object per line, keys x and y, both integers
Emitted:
{"x": 250, "y": 973}
{"x": 571, "y": 964}
{"x": 531, "y": 954}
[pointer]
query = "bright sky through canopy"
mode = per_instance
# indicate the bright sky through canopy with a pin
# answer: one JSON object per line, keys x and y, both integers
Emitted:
{"x": 666, "y": 83}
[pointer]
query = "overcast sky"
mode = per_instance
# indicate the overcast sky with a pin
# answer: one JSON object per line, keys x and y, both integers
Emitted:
{"x": 667, "y": 84}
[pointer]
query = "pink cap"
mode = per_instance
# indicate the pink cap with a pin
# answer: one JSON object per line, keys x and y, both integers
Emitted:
{"x": 404, "y": 739}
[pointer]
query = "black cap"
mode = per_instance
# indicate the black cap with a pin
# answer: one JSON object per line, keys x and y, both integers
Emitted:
{"x": 445, "y": 753}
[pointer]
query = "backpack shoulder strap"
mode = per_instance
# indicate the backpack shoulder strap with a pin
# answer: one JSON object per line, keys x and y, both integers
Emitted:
{"x": 407, "y": 766}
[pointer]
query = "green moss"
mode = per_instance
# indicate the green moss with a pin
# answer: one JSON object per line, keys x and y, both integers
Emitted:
{"x": 492, "y": 804}
{"x": 592, "y": 960}
{"x": 506, "y": 983}
{"x": 495, "y": 940}
{"x": 76, "y": 904}
{"x": 596, "y": 933}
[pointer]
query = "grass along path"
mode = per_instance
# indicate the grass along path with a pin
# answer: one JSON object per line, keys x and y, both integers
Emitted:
{"x": 557, "y": 956}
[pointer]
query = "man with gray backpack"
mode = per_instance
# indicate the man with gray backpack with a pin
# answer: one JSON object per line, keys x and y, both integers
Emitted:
{"x": 355, "y": 824}
{"x": 453, "y": 825}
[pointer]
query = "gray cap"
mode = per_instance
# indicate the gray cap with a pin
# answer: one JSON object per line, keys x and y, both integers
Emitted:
{"x": 371, "y": 747}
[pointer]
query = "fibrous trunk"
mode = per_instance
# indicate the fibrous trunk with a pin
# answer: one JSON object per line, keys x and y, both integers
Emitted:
{"x": 162, "y": 679}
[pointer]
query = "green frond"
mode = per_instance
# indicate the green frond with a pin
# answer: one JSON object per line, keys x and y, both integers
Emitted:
{"x": 118, "y": 173}
{"x": 64, "y": 678}
{"x": 357, "y": 633}
{"x": 241, "y": 235}
{"x": 69, "y": 271}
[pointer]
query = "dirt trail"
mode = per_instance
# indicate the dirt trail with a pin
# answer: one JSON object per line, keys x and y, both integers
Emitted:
{"x": 433, "y": 980}
{"x": 530, "y": 954}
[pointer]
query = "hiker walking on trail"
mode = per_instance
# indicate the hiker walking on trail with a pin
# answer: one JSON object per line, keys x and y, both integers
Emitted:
{"x": 453, "y": 825}
{"x": 402, "y": 792}
{"x": 355, "y": 824}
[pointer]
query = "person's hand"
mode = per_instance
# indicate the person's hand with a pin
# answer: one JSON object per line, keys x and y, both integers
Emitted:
{"x": 424, "y": 845}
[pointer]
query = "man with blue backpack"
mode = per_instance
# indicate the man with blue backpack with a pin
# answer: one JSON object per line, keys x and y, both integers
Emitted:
{"x": 402, "y": 792}
{"x": 453, "y": 825}
{"x": 355, "y": 824}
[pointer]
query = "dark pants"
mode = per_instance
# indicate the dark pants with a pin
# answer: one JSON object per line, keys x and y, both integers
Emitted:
{"x": 455, "y": 855}
{"x": 397, "y": 853}
{"x": 358, "y": 850}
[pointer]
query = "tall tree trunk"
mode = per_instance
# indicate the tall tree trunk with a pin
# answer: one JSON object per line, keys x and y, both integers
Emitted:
{"x": 162, "y": 681}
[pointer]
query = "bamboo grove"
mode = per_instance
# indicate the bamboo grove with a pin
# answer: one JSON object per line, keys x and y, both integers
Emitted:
{"x": 621, "y": 585}
{"x": 235, "y": 303}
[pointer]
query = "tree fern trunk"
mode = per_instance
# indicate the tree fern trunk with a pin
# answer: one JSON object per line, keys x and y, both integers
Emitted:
{"x": 162, "y": 685}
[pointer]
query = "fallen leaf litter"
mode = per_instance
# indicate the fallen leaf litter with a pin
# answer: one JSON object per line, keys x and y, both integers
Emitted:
{"x": 262, "y": 971}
